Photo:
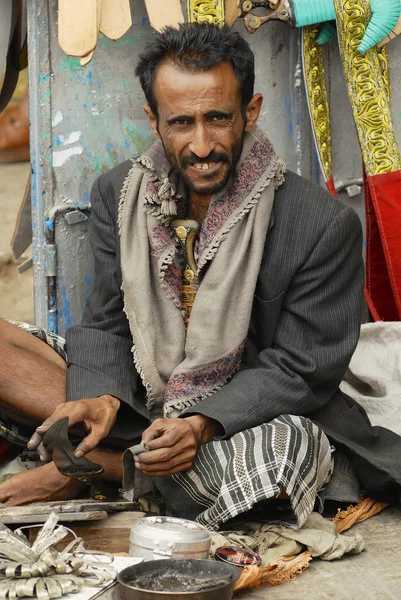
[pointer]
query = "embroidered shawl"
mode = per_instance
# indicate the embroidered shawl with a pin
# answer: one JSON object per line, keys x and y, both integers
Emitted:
{"x": 178, "y": 366}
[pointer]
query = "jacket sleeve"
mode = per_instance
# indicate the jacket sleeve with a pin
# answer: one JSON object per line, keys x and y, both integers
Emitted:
{"x": 317, "y": 331}
{"x": 99, "y": 349}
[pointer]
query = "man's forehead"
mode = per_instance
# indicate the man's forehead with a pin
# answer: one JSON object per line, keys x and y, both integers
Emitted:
{"x": 176, "y": 83}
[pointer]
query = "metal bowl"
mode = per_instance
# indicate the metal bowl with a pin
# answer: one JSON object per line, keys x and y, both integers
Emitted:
{"x": 192, "y": 567}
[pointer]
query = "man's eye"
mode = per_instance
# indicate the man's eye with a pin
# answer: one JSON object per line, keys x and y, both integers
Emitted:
{"x": 181, "y": 122}
{"x": 219, "y": 118}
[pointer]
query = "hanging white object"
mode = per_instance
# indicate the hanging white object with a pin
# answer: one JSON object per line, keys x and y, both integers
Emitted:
{"x": 115, "y": 18}
{"x": 87, "y": 58}
{"x": 164, "y": 14}
{"x": 78, "y": 36}
{"x": 231, "y": 12}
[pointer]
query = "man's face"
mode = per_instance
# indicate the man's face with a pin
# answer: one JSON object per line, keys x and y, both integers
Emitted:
{"x": 200, "y": 123}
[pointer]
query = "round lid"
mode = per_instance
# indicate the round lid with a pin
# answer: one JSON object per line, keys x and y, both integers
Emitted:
{"x": 237, "y": 556}
{"x": 173, "y": 529}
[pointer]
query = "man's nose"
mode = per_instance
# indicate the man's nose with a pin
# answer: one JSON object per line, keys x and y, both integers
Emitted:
{"x": 201, "y": 144}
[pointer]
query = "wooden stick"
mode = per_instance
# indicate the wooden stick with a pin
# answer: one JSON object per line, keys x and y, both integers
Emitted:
{"x": 96, "y": 515}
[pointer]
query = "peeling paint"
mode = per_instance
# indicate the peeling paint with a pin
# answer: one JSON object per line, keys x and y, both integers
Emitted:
{"x": 60, "y": 157}
{"x": 58, "y": 117}
{"x": 69, "y": 63}
{"x": 72, "y": 138}
{"x": 65, "y": 308}
{"x": 136, "y": 135}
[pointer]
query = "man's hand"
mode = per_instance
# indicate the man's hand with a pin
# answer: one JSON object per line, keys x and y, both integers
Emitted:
{"x": 98, "y": 416}
{"x": 173, "y": 443}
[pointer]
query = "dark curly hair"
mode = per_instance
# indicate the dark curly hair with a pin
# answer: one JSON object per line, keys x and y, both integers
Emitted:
{"x": 197, "y": 47}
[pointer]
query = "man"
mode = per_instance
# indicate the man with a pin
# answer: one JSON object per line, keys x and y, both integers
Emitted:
{"x": 241, "y": 388}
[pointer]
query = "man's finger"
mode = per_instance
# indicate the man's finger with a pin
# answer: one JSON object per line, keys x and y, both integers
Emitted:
{"x": 44, "y": 455}
{"x": 73, "y": 410}
{"x": 171, "y": 436}
{"x": 151, "y": 433}
{"x": 163, "y": 465}
{"x": 4, "y": 495}
{"x": 168, "y": 439}
{"x": 90, "y": 442}
{"x": 167, "y": 451}
{"x": 35, "y": 441}
{"x": 184, "y": 466}
{"x": 152, "y": 457}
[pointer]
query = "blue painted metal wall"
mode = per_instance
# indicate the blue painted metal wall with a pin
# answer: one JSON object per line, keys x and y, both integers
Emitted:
{"x": 85, "y": 120}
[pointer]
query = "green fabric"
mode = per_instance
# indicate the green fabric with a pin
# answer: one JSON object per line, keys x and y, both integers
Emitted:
{"x": 274, "y": 540}
{"x": 310, "y": 12}
{"x": 385, "y": 14}
{"x": 327, "y": 32}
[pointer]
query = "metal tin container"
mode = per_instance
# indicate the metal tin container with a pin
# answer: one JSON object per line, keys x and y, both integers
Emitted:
{"x": 167, "y": 537}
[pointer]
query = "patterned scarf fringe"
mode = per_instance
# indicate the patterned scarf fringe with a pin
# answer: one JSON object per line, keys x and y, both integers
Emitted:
{"x": 139, "y": 369}
{"x": 276, "y": 173}
{"x": 167, "y": 260}
{"x": 136, "y": 360}
{"x": 166, "y": 193}
{"x": 181, "y": 405}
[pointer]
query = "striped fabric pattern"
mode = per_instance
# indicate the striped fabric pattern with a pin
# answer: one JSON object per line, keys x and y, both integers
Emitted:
{"x": 51, "y": 339}
{"x": 229, "y": 477}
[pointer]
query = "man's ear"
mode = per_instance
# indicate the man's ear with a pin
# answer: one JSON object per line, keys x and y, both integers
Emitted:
{"x": 152, "y": 119}
{"x": 253, "y": 111}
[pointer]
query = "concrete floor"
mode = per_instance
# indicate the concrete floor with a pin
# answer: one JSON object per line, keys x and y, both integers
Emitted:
{"x": 16, "y": 290}
{"x": 375, "y": 574}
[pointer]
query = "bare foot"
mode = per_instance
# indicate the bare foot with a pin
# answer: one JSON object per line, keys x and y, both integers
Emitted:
{"x": 42, "y": 484}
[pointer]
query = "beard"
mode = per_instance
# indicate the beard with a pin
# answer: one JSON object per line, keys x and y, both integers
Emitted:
{"x": 214, "y": 186}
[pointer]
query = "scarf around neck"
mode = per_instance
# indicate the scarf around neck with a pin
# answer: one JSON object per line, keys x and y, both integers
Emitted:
{"x": 180, "y": 366}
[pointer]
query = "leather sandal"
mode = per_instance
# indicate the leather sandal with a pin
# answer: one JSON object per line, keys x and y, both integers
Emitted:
{"x": 57, "y": 443}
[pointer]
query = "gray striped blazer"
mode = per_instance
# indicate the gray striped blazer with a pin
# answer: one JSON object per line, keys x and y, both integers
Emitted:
{"x": 304, "y": 328}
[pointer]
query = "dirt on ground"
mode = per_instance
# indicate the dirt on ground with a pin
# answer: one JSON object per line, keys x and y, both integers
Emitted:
{"x": 16, "y": 289}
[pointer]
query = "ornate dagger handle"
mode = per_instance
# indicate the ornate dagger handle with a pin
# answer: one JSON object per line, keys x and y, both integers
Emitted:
{"x": 280, "y": 10}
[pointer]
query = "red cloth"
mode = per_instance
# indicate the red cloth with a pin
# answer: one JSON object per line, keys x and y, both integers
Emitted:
{"x": 383, "y": 243}
{"x": 330, "y": 186}
{"x": 372, "y": 309}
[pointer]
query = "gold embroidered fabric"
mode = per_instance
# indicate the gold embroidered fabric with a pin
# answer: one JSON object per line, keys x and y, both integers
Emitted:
{"x": 368, "y": 89}
{"x": 211, "y": 11}
{"x": 316, "y": 89}
{"x": 382, "y": 54}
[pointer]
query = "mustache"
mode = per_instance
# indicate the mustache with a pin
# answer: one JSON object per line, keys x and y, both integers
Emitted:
{"x": 212, "y": 157}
